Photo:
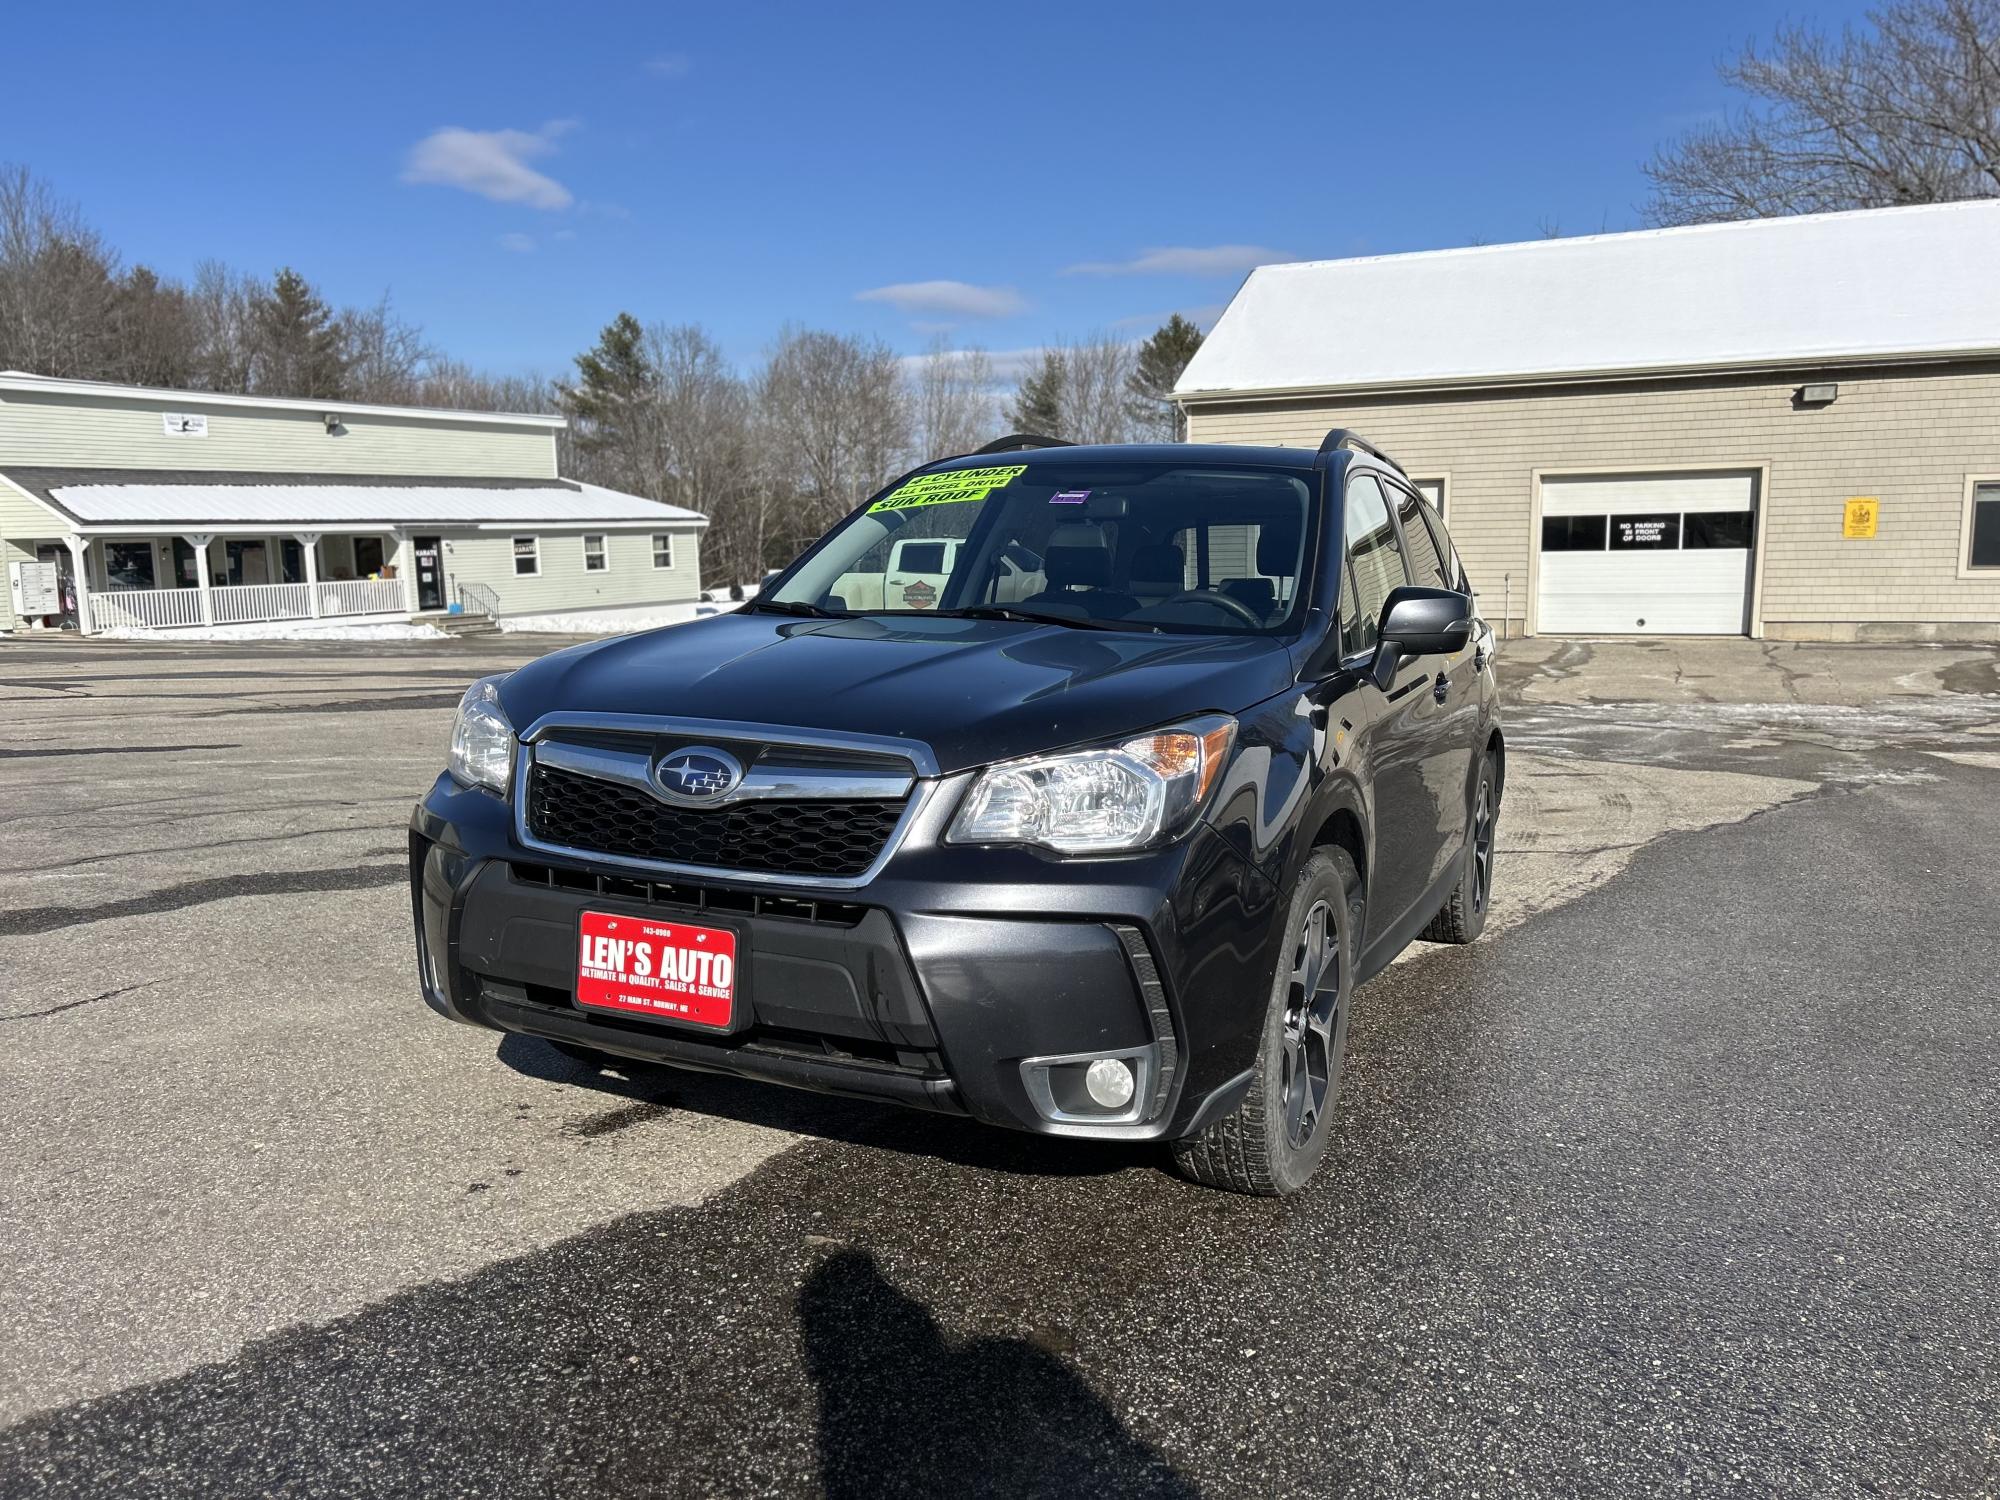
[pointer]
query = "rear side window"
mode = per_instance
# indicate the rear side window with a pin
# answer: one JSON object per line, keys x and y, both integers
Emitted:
{"x": 1374, "y": 560}
{"x": 923, "y": 557}
{"x": 1427, "y": 566}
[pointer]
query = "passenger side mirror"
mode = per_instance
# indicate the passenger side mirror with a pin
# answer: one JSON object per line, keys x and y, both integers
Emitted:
{"x": 1421, "y": 622}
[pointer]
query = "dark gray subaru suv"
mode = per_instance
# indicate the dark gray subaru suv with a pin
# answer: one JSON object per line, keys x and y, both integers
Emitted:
{"x": 1070, "y": 788}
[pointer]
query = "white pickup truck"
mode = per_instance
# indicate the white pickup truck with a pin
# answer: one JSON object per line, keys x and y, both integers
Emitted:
{"x": 916, "y": 575}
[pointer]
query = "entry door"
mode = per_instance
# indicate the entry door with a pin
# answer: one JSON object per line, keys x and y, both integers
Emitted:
{"x": 1650, "y": 554}
{"x": 430, "y": 572}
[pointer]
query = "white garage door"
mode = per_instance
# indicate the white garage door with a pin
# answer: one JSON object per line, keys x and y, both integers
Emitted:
{"x": 1652, "y": 554}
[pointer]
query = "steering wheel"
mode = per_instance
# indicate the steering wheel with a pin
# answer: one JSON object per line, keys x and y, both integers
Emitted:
{"x": 1229, "y": 604}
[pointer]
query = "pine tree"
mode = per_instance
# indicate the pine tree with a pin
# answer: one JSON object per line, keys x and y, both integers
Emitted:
{"x": 300, "y": 345}
{"x": 614, "y": 408}
{"x": 1161, "y": 360}
{"x": 1037, "y": 406}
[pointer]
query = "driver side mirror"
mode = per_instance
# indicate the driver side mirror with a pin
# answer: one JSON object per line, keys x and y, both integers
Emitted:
{"x": 1420, "y": 622}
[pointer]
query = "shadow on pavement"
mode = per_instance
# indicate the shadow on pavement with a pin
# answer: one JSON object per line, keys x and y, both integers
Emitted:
{"x": 903, "y": 1411}
{"x": 883, "y": 1127}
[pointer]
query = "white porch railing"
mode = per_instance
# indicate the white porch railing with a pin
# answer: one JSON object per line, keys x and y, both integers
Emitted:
{"x": 241, "y": 603}
{"x": 145, "y": 609}
{"x": 362, "y": 596}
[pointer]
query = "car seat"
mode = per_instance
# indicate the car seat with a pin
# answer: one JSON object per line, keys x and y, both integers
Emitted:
{"x": 1077, "y": 563}
{"x": 1158, "y": 572}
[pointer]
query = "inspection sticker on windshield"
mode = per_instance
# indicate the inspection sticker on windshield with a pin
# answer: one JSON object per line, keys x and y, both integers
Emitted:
{"x": 952, "y": 487}
{"x": 668, "y": 971}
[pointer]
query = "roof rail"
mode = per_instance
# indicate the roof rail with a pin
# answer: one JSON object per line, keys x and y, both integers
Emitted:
{"x": 1015, "y": 442}
{"x": 1347, "y": 437}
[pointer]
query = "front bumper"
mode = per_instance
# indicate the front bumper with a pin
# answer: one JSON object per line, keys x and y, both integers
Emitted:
{"x": 929, "y": 986}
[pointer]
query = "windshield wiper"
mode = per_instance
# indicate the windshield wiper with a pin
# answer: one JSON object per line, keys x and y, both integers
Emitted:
{"x": 797, "y": 607}
{"x": 1035, "y": 617}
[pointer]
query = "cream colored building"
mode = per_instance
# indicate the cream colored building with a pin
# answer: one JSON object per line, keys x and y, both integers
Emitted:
{"x": 1788, "y": 428}
{"x": 170, "y": 510}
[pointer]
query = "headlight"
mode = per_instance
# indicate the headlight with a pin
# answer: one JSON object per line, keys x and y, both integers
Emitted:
{"x": 482, "y": 741}
{"x": 1118, "y": 797}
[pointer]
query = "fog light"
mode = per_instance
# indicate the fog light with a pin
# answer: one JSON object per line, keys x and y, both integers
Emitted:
{"x": 1110, "y": 1082}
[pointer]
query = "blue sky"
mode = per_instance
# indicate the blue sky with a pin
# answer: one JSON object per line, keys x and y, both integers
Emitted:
{"x": 513, "y": 175}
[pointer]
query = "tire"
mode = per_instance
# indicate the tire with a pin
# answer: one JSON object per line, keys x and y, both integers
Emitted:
{"x": 1463, "y": 915}
{"x": 1274, "y": 1141}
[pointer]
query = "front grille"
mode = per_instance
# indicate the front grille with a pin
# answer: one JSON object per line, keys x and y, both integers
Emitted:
{"x": 766, "y": 838}
{"x": 702, "y": 900}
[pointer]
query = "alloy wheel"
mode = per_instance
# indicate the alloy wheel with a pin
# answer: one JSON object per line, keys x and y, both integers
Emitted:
{"x": 1312, "y": 1007}
{"x": 1482, "y": 846}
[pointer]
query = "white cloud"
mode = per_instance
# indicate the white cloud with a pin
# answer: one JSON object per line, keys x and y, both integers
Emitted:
{"x": 954, "y": 298}
{"x": 670, "y": 65}
{"x": 491, "y": 163}
{"x": 520, "y": 244}
{"x": 1183, "y": 260}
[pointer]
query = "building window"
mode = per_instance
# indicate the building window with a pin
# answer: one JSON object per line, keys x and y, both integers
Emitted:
{"x": 527, "y": 557}
{"x": 593, "y": 554}
{"x": 663, "y": 551}
{"x": 1983, "y": 547}
{"x": 367, "y": 556}
{"x": 128, "y": 565}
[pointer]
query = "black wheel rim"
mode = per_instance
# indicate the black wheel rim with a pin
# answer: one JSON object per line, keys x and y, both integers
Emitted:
{"x": 1482, "y": 846}
{"x": 1312, "y": 1009}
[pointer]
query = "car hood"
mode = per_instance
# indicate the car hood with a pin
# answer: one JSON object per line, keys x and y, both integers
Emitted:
{"x": 974, "y": 691}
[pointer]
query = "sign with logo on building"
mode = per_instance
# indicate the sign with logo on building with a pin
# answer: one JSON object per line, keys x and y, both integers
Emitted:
{"x": 1862, "y": 511}
{"x": 184, "y": 424}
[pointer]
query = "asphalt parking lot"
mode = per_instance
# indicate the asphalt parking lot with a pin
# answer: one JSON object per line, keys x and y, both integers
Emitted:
{"x": 1684, "y": 1179}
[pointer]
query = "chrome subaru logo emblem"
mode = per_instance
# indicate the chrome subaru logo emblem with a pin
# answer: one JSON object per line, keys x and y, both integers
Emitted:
{"x": 697, "y": 773}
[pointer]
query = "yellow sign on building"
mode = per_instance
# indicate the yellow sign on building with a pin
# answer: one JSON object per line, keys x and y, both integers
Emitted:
{"x": 1861, "y": 513}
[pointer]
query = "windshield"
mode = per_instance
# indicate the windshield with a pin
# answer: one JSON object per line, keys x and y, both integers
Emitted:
{"x": 1143, "y": 546}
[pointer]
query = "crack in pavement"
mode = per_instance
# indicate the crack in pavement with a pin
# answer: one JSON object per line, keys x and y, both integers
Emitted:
{"x": 56, "y": 1010}
{"x": 31, "y": 920}
{"x": 55, "y": 750}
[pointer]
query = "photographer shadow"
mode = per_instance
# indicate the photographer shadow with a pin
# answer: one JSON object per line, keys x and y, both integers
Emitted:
{"x": 904, "y": 1411}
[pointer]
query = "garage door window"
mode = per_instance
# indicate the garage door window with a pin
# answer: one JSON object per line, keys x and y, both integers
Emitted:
{"x": 1718, "y": 528}
{"x": 1985, "y": 549}
{"x": 1645, "y": 533}
{"x": 1574, "y": 533}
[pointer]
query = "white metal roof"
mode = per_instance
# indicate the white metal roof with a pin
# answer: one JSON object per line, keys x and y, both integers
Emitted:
{"x": 305, "y": 505}
{"x": 22, "y": 382}
{"x": 1822, "y": 288}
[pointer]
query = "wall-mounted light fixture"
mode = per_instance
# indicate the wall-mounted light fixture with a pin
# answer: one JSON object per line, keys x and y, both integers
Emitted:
{"x": 1817, "y": 395}
{"x": 332, "y": 420}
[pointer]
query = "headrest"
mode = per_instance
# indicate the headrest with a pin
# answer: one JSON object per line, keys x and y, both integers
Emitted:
{"x": 1259, "y": 593}
{"x": 1278, "y": 548}
{"x": 1078, "y": 556}
{"x": 1160, "y": 562}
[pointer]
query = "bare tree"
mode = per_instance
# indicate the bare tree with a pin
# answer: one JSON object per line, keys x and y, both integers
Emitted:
{"x": 1096, "y": 374}
{"x": 388, "y": 360}
{"x": 58, "y": 283}
{"x": 951, "y": 401}
{"x": 222, "y": 303}
{"x": 706, "y": 421}
{"x": 834, "y": 415}
{"x": 1908, "y": 112}
{"x": 152, "y": 332}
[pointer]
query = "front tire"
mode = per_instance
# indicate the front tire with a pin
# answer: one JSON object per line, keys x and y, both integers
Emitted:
{"x": 1274, "y": 1141}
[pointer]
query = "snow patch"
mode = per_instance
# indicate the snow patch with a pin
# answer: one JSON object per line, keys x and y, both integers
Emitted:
{"x": 277, "y": 631}
{"x": 607, "y": 624}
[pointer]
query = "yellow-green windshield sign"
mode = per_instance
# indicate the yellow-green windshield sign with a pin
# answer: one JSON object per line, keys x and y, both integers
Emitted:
{"x": 952, "y": 487}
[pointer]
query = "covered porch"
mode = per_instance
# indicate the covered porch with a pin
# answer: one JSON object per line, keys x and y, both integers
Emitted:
{"x": 237, "y": 576}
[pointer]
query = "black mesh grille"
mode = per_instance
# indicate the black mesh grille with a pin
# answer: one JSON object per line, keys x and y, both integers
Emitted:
{"x": 772, "y": 838}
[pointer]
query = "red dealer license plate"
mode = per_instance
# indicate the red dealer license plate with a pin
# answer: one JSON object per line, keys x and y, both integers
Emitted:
{"x": 667, "y": 970}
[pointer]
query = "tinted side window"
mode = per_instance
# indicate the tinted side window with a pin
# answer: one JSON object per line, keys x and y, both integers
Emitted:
{"x": 1374, "y": 559}
{"x": 1426, "y": 562}
{"x": 1454, "y": 569}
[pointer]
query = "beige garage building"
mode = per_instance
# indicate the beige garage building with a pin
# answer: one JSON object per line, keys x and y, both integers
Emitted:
{"x": 1786, "y": 428}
